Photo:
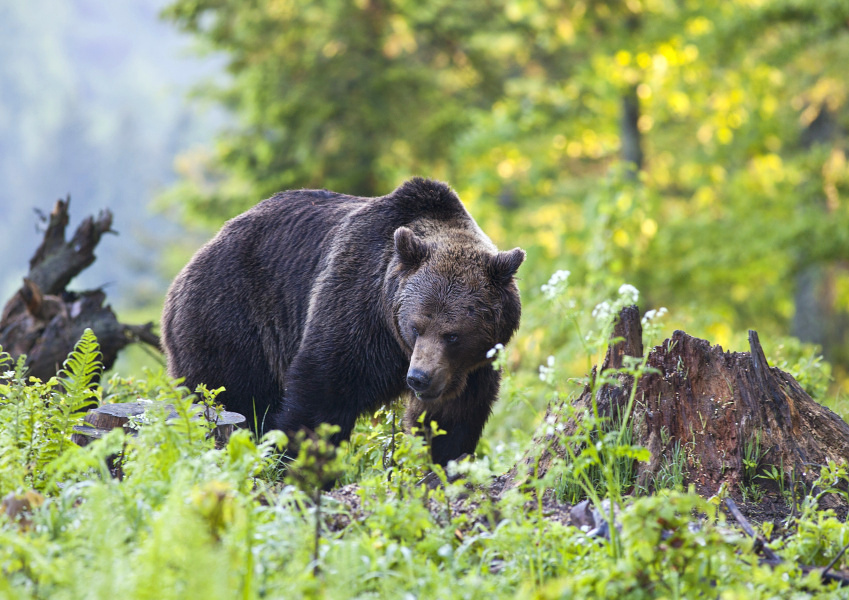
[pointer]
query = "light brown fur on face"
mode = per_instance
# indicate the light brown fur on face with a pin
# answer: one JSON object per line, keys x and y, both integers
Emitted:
{"x": 451, "y": 314}
{"x": 457, "y": 304}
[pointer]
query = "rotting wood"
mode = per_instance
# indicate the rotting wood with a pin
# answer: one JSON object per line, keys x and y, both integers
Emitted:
{"x": 730, "y": 413}
{"x": 101, "y": 420}
{"x": 43, "y": 320}
{"x": 610, "y": 400}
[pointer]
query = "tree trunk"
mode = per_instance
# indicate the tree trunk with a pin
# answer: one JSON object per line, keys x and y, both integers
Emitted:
{"x": 730, "y": 412}
{"x": 818, "y": 319}
{"x": 629, "y": 132}
{"x": 43, "y": 320}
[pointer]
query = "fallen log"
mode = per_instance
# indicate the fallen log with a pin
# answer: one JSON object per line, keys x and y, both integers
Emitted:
{"x": 43, "y": 320}
{"x": 735, "y": 417}
{"x": 106, "y": 417}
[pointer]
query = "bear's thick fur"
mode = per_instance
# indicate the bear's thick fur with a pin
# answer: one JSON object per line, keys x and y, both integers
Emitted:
{"x": 317, "y": 307}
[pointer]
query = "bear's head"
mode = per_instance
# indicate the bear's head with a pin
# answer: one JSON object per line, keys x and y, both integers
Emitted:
{"x": 458, "y": 301}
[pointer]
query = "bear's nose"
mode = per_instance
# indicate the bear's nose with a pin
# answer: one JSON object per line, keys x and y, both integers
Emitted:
{"x": 418, "y": 380}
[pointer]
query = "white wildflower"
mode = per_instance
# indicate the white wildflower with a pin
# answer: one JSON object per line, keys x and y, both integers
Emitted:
{"x": 546, "y": 371}
{"x": 556, "y": 284}
{"x": 603, "y": 311}
{"x": 653, "y": 314}
{"x": 629, "y": 293}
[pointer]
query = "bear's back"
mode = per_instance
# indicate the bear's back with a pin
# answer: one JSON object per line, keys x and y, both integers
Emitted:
{"x": 249, "y": 286}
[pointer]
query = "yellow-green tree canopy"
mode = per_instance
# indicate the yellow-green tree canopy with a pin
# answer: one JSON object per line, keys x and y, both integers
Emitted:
{"x": 736, "y": 112}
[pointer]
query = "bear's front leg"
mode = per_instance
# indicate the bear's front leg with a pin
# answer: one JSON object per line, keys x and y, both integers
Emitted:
{"x": 318, "y": 391}
{"x": 462, "y": 418}
{"x": 296, "y": 414}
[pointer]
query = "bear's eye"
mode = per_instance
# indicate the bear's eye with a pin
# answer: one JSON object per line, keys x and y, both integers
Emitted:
{"x": 415, "y": 332}
{"x": 450, "y": 337}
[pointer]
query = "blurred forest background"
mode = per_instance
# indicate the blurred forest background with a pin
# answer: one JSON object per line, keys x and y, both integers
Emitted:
{"x": 694, "y": 149}
{"x": 93, "y": 103}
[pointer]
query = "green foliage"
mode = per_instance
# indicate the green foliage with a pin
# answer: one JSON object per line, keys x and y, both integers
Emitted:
{"x": 345, "y": 95}
{"x": 806, "y": 364}
{"x": 37, "y": 418}
{"x": 187, "y": 520}
{"x": 672, "y": 470}
{"x": 81, "y": 370}
{"x": 518, "y": 105}
{"x": 602, "y": 457}
{"x": 752, "y": 456}
{"x": 737, "y": 218}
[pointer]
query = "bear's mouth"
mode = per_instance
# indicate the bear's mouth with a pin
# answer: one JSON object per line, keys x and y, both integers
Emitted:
{"x": 426, "y": 397}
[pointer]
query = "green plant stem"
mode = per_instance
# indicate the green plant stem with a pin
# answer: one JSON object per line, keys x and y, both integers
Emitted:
{"x": 315, "y": 568}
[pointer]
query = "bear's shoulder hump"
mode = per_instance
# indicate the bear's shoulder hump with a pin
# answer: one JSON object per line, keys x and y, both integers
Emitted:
{"x": 427, "y": 197}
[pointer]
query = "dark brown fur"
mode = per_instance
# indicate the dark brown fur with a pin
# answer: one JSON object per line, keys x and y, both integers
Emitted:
{"x": 304, "y": 309}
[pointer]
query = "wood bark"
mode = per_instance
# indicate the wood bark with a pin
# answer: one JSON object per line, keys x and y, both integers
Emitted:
{"x": 43, "y": 320}
{"x": 101, "y": 420}
{"x": 731, "y": 415}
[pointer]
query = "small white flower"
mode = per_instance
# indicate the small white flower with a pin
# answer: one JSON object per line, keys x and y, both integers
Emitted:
{"x": 559, "y": 276}
{"x": 651, "y": 315}
{"x": 8, "y": 374}
{"x": 556, "y": 284}
{"x": 546, "y": 373}
{"x": 602, "y": 311}
{"x": 629, "y": 293}
{"x": 494, "y": 350}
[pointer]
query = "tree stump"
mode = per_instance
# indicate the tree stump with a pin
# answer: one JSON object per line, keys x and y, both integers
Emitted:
{"x": 43, "y": 320}
{"x": 730, "y": 412}
{"x": 101, "y": 420}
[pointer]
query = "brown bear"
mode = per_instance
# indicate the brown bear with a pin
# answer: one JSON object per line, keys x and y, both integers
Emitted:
{"x": 316, "y": 307}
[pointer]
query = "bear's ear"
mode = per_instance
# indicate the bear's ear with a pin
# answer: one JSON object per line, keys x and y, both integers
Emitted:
{"x": 504, "y": 265}
{"x": 411, "y": 250}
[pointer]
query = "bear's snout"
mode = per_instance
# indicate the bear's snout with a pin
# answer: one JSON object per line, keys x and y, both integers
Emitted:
{"x": 418, "y": 380}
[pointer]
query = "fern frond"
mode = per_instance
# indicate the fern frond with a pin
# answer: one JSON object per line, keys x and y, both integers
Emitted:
{"x": 80, "y": 370}
{"x": 5, "y": 359}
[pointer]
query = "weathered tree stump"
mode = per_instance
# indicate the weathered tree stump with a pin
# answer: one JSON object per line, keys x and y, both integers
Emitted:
{"x": 103, "y": 419}
{"x": 730, "y": 413}
{"x": 43, "y": 320}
